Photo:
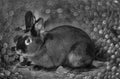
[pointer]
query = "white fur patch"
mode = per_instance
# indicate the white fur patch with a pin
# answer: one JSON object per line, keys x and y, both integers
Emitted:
{"x": 74, "y": 59}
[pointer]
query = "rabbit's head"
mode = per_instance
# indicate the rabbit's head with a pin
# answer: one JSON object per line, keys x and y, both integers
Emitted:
{"x": 27, "y": 44}
{"x": 30, "y": 42}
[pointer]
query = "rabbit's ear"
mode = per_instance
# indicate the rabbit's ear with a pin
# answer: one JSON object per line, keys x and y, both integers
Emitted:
{"x": 29, "y": 20}
{"x": 39, "y": 24}
{"x": 38, "y": 27}
{"x": 39, "y": 20}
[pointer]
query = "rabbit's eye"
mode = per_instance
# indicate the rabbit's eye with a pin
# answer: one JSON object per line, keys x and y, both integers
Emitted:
{"x": 28, "y": 41}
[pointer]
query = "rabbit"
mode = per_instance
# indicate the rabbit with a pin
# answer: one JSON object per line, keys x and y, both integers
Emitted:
{"x": 64, "y": 45}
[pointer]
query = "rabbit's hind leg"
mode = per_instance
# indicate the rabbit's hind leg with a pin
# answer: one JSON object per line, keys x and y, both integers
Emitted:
{"x": 78, "y": 57}
{"x": 76, "y": 61}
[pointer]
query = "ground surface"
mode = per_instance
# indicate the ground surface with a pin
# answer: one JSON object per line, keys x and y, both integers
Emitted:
{"x": 99, "y": 18}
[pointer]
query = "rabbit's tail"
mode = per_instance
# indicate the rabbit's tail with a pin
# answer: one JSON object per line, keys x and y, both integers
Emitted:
{"x": 97, "y": 52}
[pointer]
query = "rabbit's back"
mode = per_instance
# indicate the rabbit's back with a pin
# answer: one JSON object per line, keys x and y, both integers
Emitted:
{"x": 68, "y": 35}
{"x": 68, "y": 29}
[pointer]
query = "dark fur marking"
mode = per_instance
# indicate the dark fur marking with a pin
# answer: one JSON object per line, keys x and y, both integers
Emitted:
{"x": 47, "y": 37}
{"x": 74, "y": 46}
{"x": 21, "y": 43}
{"x": 29, "y": 20}
{"x": 33, "y": 31}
